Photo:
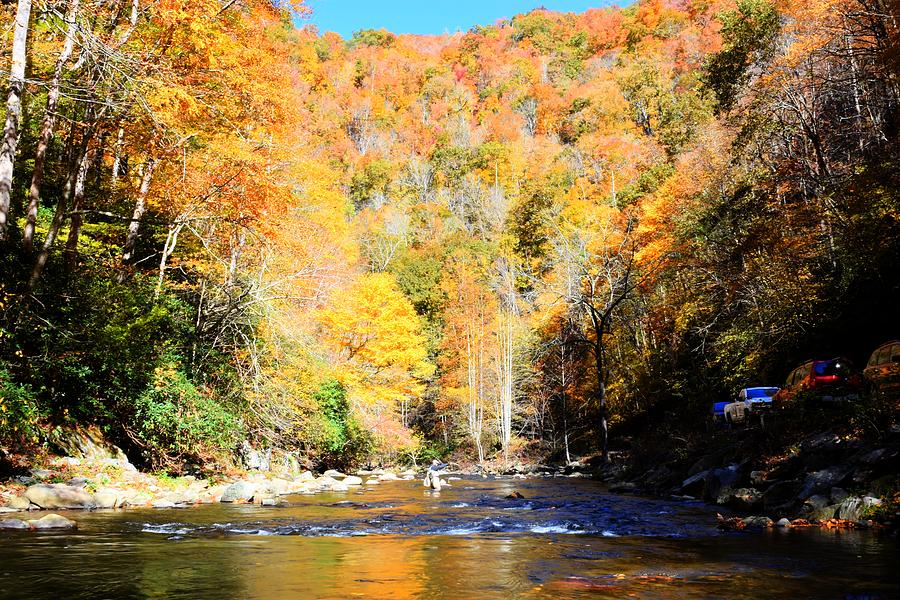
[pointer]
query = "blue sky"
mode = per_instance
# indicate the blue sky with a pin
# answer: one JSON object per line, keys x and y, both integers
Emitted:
{"x": 424, "y": 16}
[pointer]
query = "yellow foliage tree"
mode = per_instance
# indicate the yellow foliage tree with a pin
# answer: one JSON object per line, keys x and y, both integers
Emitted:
{"x": 380, "y": 355}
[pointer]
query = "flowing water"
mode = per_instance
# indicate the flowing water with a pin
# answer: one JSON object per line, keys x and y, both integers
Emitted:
{"x": 566, "y": 539}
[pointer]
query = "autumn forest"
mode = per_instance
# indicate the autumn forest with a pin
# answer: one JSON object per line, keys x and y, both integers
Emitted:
{"x": 534, "y": 239}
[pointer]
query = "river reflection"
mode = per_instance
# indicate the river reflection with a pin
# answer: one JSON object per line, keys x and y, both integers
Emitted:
{"x": 566, "y": 539}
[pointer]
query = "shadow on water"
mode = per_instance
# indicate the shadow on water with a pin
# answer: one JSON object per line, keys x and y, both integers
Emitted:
{"x": 565, "y": 539}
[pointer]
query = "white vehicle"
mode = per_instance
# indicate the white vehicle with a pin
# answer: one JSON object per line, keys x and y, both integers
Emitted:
{"x": 752, "y": 402}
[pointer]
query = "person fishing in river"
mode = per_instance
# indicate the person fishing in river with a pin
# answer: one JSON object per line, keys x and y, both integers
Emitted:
{"x": 432, "y": 475}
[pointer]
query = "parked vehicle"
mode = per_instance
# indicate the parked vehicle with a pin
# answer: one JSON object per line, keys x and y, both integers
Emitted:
{"x": 752, "y": 403}
{"x": 882, "y": 372}
{"x": 835, "y": 379}
{"x": 718, "y": 412}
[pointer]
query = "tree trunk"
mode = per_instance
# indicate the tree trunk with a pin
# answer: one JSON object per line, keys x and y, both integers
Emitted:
{"x": 13, "y": 112}
{"x": 77, "y": 214}
{"x": 117, "y": 157}
{"x": 171, "y": 241}
{"x": 74, "y": 191}
{"x": 40, "y": 157}
{"x": 140, "y": 207}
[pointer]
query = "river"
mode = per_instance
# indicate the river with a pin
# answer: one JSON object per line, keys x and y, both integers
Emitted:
{"x": 566, "y": 539}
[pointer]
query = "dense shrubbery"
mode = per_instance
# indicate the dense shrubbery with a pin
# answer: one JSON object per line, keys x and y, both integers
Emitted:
{"x": 175, "y": 421}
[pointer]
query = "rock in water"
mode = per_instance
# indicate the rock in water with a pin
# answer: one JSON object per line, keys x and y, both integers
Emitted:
{"x": 14, "y": 524}
{"x": 58, "y": 495}
{"x": 241, "y": 491}
{"x": 515, "y": 496}
{"x": 52, "y": 521}
{"x": 353, "y": 480}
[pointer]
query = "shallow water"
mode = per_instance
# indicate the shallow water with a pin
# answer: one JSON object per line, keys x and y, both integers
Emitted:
{"x": 566, "y": 539}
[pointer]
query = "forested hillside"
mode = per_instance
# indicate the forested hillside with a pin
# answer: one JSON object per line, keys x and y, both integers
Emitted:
{"x": 217, "y": 226}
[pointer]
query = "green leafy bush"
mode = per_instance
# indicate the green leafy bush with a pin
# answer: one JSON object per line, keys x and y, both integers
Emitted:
{"x": 173, "y": 420}
{"x": 18, "y": 413}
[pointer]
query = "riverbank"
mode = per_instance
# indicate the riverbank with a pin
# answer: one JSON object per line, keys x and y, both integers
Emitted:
{"x": 823, "y": 471}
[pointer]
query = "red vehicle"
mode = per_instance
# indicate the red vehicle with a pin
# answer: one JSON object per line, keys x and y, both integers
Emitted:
{"x": 835, "y": 379}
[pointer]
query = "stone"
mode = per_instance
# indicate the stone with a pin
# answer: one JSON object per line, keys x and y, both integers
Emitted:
{"x": 388, "y": 476}
{"x": 108, "y": 498}
{"x": 6, "y": 509}
{"x": 78, "y": 482}
{"x": 719, "y": 482}
{"x": 758, "y": 477}
{"x": 820, "y": 481}
{"x": 19, "y": 503}
{"x": 58, "y": 495}
{"x": 372, "y": 481}
{"x": 163, "y": 504}
{"x": 253, "y": 459}
{"x": 325, "y": 482}
{"x": 741, "y": 498}
{"x": 305, "y": 476}
{"x": 137, "y": 499}
{"x": 815, "y": 502}
{"x": 838, "y": 495}
{"x": 515, "y": 496}
{"x": 855, "y": 508}
{"x": 240, "y": 491}
{"x": 334, "y": 474}
{"x": 757, "y": 522}
{"x": 52, "y": 521}
{"x": 85, "y": 443}
{"x": 14, "y": 524}
{"x": 408, "y": 473}
{"x": 41, "y": 473}
{"x": 780, "y": 495}
{"x": 824, "y": 513}
{"x": 782, "y": 522}
{"x": 268, "y": 502}
{"x": 352, "y": 480}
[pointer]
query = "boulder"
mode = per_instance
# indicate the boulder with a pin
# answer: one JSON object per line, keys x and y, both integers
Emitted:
{"x": 757, "y": 522}
{"x": 695, "y": 484}
{"x": 108, "y": 498}
{"x": 388, "y": 476}
{"x": 52, "y": 521}
{"x": 19, "y": 503}
{"x": 268, "y": 502}
{"x": 334, "y": 474}
{"x": 58, "y": 495}
{"x": 372, "y": 481}
{"x": 838, "y": 495}
{"x": 325, "y": 482}
{"x": 85, "y": 443}
{"x": 822, "y": 481}
{"x": 758, "y": 477}
{"x": 137, "y": 499}
{"x": 855, "y": 508}
{"x": 254, "y": 459}
{"x": 352, "y": 480}
{"x": 163, "y": 504}
{"x": 780, "y": 495}
{"x": 14, "y": 524}
{"x": 305, "y": 476}
{"x": 782, "y": 522}
{"x": 719, "y": 483}
{"x": 742, "y": 498}
{"x": 240, "y": 491}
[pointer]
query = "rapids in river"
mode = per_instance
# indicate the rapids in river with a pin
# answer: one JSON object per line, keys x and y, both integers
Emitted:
{"x": 567, "y": 538}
